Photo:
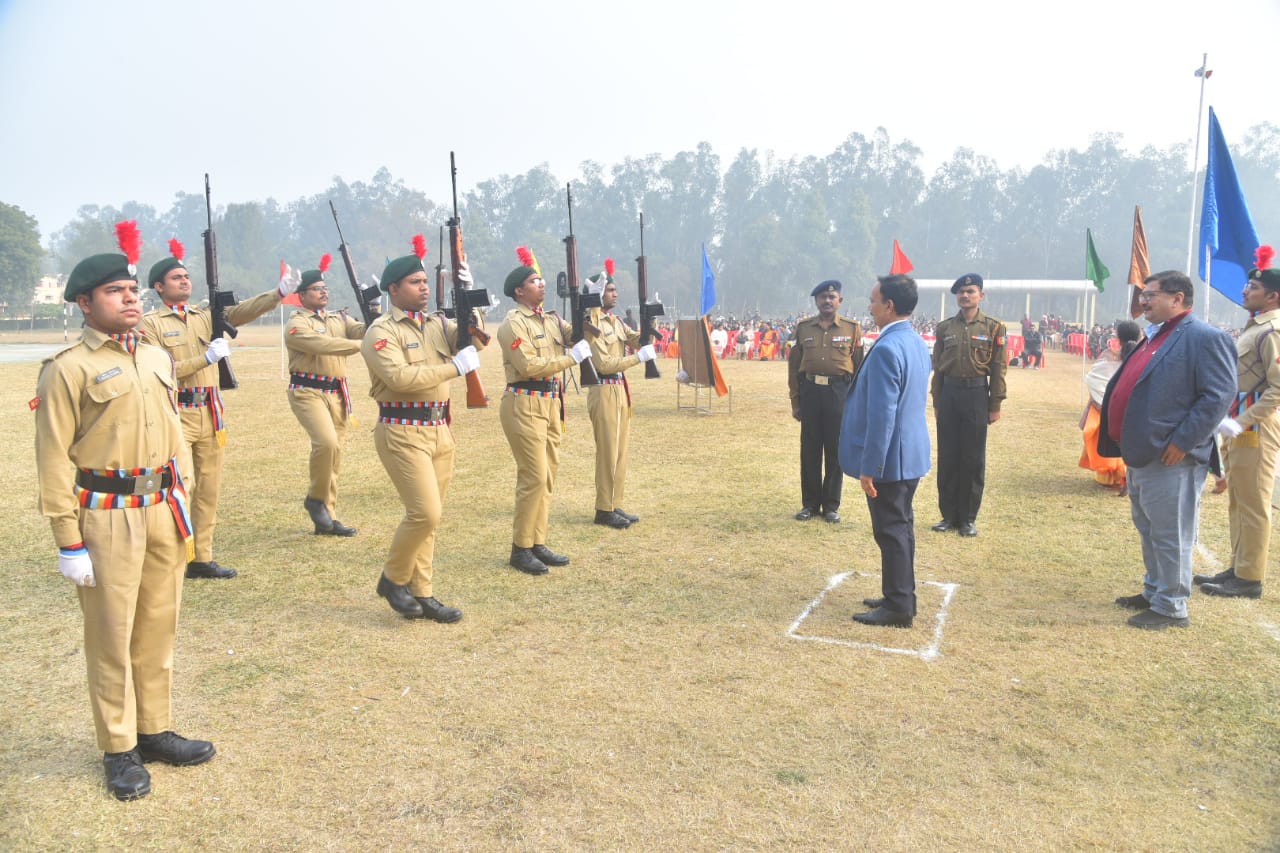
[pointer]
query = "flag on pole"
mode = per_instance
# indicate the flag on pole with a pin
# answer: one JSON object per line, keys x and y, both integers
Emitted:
{"x": 1094, "y": 269}
{"x": 1227, "y": 236}
{"x": 1139, "y": 262}
{"x": 708, "y": 284}
{"x": 901, "y": 263}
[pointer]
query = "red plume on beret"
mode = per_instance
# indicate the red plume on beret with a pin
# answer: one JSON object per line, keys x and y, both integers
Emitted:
{"x": 325, "y": 260}
{"x": 1264, "y": 254}
{"x": 608, "y": 267}
{"x": 129, "y": 240}
{"x": 177, "y": 249}
{"x": 420, "y": 246}
{"x": 525, "y": 256}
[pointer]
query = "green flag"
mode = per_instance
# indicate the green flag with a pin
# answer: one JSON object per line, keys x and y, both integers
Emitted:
{"x": 1094, "y": 269}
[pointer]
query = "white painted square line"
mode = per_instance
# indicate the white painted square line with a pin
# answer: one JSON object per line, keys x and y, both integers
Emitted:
{"x": 929, "y": 652}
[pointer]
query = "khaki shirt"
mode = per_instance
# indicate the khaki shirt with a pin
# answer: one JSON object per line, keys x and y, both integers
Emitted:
{"x": 409, "y": 363}
{"x": 818, "y": 351}
{"x": 533, "y": 347}
{"x": 609, "y": 348}
{"x": 969, "y": 350}
{"x": 188, "y": 340}
{"x": 320, "y": 344}
{"x": 99, "y": 407}
{"x": 1258, "y": 366}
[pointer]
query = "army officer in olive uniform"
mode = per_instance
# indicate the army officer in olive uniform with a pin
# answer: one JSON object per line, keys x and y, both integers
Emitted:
{"x": 820, "y": 369}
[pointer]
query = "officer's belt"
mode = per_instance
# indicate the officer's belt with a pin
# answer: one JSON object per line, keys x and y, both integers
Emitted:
{"x": 146, "y": 485}
{"x": 971, "y": 382}
{"x": 201, "y": 396}
{"x": 611, "y": 377}
{"x": 817, "y": 379}
{"x": 546, "y": 386}
{"x": 304, "y": 381}
{"x": 414, "y": 411}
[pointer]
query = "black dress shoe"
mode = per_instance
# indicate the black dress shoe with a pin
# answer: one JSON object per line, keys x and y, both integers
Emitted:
{"x": 1220, "y": 577}
{"x": 609, "y": 518}
{"x": 943, "y": 526}
{"x": 546, "y": 555}
{"x": 523, "y": 559}
{"x": 831, "y": 517}
{"x": 882, "y": 617}
{"x": 804, "y": 514}
{"x": 399, "y": 597}
{"x": 127, "y": 779}
{"x": 173, "y": 748}
{"x": 1152, "y": 620}
{"x": 209, "y": 570}
{"x": 628, "y": 516}
{"x": 1134, "y": 602}
{"x": 873, "y": 603}
{"x": 433, "y": 609}
{"x": 335, "y": 528}
{"x": 968, "y": 529}
{"x": 318, "y": 511}
{"x": 1233, "y": 587}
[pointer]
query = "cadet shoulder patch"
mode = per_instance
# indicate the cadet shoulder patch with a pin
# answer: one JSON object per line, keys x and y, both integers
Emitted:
{"x": 516, "y": 343}
{"x": 33, "y": 403}
{"x": 293, "y": 330}
{"x": 379, "y": 344}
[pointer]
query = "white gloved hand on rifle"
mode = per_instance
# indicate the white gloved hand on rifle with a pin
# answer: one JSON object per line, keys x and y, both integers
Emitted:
{"x": 464, "y": 274}
{"x": 646, "y": 353}
{"x": 466, "y": 360}
{"x": 1229, "y": 428}
{"x": 581, "y": 350}
{"x": 76, "y": 565}
{"x": 218, "y": 348}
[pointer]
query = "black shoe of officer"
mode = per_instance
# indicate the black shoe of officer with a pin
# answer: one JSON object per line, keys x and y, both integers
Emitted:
{"x": 127, "y": 779}
{"x": 318, "y": 511}
{"x": 546, "y": 555}
{"x": 173, "y": 748}
{"x": 209, "y": 570}
{"x": 804, "y": 514}
{"x": 1221, "y": 577}
{"x": 335, "y": 528}
{"x": 609, "y": 518}
{"x": 433, "y": 609}
{"x": 523, "y": 559}
{"x": 968, "y": 529}
{"x": 943, "y": 526}
{"x": 628, "y": 516}
{"x": 831, "y": 517}
{"x": 399, "y": 597}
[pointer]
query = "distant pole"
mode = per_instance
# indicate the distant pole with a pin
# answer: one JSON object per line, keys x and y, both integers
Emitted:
{"x": 1203, "y": 73}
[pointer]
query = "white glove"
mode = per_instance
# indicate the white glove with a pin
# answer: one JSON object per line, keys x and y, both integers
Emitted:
{"x": 1229, "y": 428}
{"x": 464, "y": 274}
{"x": 581, "y": 350}
{"x": 466, "y": 360}
{"x": 286, "y": 285}
{"x": 76, "y": 566}
{"x": 218, "y": 348}
{"x": 646, "y": 353}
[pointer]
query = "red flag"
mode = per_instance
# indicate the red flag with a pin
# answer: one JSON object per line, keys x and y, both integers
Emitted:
{"x": 901, "y": 263}
{"x": 1139, "y": 263}
{"x": 292, "y": 299}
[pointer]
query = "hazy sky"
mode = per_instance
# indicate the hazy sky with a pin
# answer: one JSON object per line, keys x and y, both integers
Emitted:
{"x": 104, "y": 102}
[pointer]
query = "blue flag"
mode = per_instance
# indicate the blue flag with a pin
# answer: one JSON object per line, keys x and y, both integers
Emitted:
{"x": 708, "y": 284}
{"x": 1227, "y": 236}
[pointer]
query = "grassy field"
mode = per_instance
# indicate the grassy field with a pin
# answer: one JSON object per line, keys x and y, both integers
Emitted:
{"x": 647, "y": 697}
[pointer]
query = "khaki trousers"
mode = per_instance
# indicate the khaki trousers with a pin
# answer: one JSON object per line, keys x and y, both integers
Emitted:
{"x": 130, "y": 619}
{"x": 611, "y": 423}
{"x": 419, "y": 461}
{"x": 324, "y": 416}
{"x": 205, "y": 483}
{"x": 1250, "y": 463}
{"x": 532, "y": 427}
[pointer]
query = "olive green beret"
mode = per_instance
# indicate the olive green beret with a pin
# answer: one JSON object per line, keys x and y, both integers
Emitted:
{"x": 399, "y": 268}
{"x": 1268, "y": 278}
{"x": 309, "y": 278}
{"x": 161, "y": 268}
{"x": 515, "y": 278}
{"x": 95, "y": 270}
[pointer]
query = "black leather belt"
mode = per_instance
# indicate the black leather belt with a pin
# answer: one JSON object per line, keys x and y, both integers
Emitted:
{"x": 547, "y": 385}
{"x": 147, "y": 485}
{"x": 319, "y": 384}
{"x": 825, "y": 380}
{"x": 971, "y": 382}
{"x": 413, "y": 413}
{"x": 194, "y": 396}
{"x": 610, "y": 377}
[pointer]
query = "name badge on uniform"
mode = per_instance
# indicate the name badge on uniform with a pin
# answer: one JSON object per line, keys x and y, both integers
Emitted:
{"x": 539, "y": 337}
{"x": 807, "y": 340}
{"x": 321, "y": 329}
{"x": 840, "y": 339}
{"x": 173, "y": 334}
{"x": 103, "y": 377}
{"x": 412, "y": 345}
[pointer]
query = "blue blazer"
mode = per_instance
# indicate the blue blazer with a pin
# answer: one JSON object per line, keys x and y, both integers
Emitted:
{"x": 884, "y": 431}
{"x": 1180, "y": 398}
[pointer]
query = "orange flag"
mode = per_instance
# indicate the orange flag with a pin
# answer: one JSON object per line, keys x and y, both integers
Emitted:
{"x": 901, "y": 263}
{"x": 1139, "y": 263}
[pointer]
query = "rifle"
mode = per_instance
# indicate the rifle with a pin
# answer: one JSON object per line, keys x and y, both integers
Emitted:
{"x": 219, "y": 300}
{"x": 440, "y": 278}
{"x": 366, "y": 297}
{"x": 578, "y": 302}
{"x": 465, "y": 300}
{"x": 649, "y": 312}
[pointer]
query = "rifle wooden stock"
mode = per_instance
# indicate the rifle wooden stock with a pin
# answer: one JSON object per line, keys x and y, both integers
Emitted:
{"x": 219, "y": 300}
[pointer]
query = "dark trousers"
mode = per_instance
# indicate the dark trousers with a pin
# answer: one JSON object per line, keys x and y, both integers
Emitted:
{"x": 893, "y": 524}
{"x": 961, "y": 413}
{"x": 821, "y": 480}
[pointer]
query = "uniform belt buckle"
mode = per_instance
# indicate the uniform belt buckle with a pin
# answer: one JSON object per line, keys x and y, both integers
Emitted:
{"x": 821, "y": 380}
{"x": 146, "y": 485}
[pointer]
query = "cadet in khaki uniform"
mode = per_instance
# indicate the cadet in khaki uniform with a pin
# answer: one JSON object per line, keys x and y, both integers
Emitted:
{"x": 609, "y": 403}
{"x": 1251, "y": 438}
{"x": 533, "y": 346}
{"x": 820, "y": 369}
{"x": 110, "y": 458}
{"x": 968, "y": 386}
{"x": 186, "y": 333}
{"x": 411, "y": 356}
{"x": 319, "y": 343}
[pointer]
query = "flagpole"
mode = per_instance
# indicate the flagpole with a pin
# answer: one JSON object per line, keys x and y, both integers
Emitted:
{"x": 1203, "y": 73}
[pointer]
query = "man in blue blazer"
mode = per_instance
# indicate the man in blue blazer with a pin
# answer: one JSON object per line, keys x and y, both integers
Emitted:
{"x": 1159, "y": 413}
{"x": 884, "y": 442}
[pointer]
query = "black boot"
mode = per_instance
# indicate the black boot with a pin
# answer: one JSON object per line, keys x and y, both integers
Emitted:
{"x": 173, "y": 748}
{"x": 335, "y": 528}
{"x": 209, "y": 570}
{"x": 127, "y": 779}
{"x": 399, "y": 597}
{"x": 628, "y": 516}
{"x": 609, "y": 518}
{"x": 319, "y": 513}
{"x": 523, "y": 559}
{"x": 432, "y": 608}
{"x": 546, "y": 555}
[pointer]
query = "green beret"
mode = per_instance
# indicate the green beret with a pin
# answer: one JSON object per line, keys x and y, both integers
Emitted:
{"x": 309, "y": 278}
{"x": 1268, "y": 278}
{"x": 515, "y": 278}
{"x": 95, "y": 270}
{"x": 399, "y": 268}
{"x": 966, "y": 280}
{"x": 161, "y": 269}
